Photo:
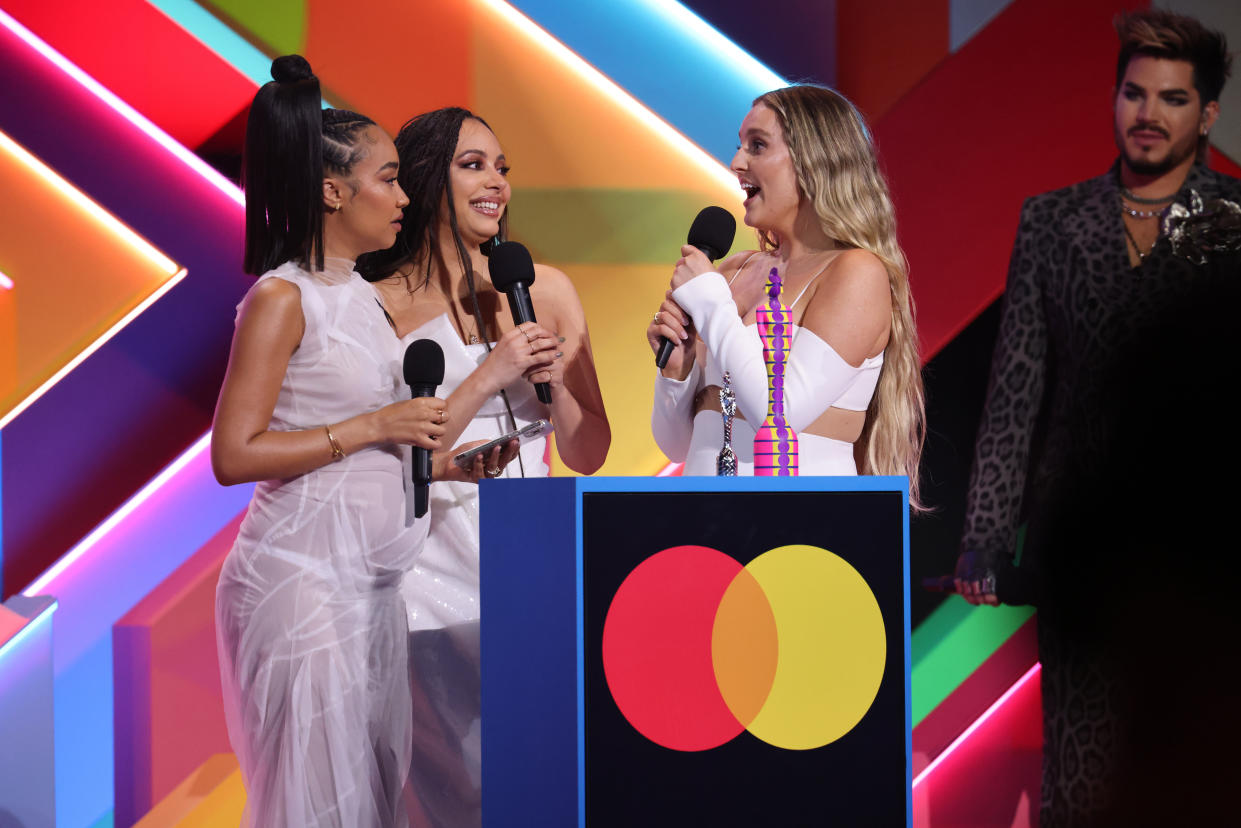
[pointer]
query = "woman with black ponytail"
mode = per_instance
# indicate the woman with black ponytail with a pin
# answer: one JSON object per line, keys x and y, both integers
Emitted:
{"x": 435, "y": 283}
{"x": 310, "y": 622}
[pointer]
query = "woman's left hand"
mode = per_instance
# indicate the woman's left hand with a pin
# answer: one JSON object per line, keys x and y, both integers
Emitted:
{"x": 490, "y": 464}
{"x": 551, "y": 373}
{"x": 693, "y": 262}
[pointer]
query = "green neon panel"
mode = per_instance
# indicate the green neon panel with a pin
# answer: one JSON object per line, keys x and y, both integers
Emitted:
{"x": 952, "y": 643}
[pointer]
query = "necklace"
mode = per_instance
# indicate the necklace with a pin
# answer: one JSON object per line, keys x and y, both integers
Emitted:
{"x": 1138, "y": 250}
{"x": 1141, "y": 214}
{"x": 1127, "y": 193}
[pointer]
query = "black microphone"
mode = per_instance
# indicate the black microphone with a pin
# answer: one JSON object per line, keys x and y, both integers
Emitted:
{"x": 512, "y": 273}
{"x": 712, "y": 232}
{"x": 424, "y": 371}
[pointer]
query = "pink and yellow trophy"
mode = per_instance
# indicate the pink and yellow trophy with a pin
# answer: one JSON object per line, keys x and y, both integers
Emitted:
{"x": 775, "y": 444}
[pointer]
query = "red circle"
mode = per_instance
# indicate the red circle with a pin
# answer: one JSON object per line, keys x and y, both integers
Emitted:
{"x": 657, "y": 648}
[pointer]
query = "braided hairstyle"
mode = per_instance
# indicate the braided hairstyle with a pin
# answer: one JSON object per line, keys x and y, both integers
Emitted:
{"x": 291, "y": 142}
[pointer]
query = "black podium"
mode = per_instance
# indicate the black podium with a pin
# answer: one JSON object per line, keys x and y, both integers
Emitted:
{"x": 696, "y": 651}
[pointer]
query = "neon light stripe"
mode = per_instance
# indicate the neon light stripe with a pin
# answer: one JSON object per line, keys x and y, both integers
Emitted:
{"x": 110, "y": 222}
{"x": 681, "y": 18}
{"x": 42, "y": 583}
{"x": 123, "y": 109}
{"x": 26, "y": 631}
{"x": 954, "y": 641}
{"x": 90, "y": 349}
{"x": 208, "y": 30}
{"x": 539, "y": 38}
{"x": 112, "y": 226}
{"x": 990, "y": 711}
{"x": 6, "y": 282}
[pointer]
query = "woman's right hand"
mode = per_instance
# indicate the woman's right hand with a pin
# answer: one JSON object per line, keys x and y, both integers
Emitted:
{"x": 417, "y": 422}
{"x": 673, "y": 322}
{"x": 527, "y": 347}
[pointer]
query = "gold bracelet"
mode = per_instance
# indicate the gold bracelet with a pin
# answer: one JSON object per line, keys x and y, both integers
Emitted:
{"x": 337, "y": 452}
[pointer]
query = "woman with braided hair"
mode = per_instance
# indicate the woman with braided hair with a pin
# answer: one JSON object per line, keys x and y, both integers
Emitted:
{"x": 435, "y": 283}
{"x": 310, "y": 622}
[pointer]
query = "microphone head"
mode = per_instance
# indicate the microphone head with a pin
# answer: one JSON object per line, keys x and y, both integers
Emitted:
{"x": 510, "y": 264}
{"x": 424, "y": 363}
{"x": 712, "y": 231}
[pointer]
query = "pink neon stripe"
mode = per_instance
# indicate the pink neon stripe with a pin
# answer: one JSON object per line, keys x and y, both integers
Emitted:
{"x": 44, "y": 581}
{"x": 960, "y": 740}
{"x": 6, "y": 282}
{"x": 123, "y": 109}
{"x": 670, "y": 470}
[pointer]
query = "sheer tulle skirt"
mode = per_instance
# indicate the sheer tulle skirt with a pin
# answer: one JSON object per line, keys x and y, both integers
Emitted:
{"x": 312, "y": 638}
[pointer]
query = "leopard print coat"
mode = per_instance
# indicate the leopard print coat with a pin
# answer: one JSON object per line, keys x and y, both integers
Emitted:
{"x": 1073, "y": 361}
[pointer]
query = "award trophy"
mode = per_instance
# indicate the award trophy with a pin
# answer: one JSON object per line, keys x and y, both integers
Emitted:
{"x": 726, "y": 463}
{"x": 775, "y": 444}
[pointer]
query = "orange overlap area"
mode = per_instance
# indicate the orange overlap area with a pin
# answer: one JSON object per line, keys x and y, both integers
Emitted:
{"x": 77, "y": 274}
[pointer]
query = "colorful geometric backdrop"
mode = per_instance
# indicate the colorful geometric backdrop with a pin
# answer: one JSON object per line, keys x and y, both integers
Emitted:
{"x": 120, "y": 250}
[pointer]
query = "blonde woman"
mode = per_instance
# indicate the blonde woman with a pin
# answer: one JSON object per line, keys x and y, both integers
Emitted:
{"x": 825, "y": 223}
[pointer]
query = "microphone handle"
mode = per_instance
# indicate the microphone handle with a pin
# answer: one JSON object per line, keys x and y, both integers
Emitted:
{"x": 522, "y": 308}
{"x": 665, "y": 351}
{"x": 665, "y": 344}
{"x": 422, "y": 460}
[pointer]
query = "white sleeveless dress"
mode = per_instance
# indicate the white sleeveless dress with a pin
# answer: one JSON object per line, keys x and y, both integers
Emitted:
{"x": 310, "y": 622}
{"x": 696, "y": 438}
{"x": 442, "y": 598}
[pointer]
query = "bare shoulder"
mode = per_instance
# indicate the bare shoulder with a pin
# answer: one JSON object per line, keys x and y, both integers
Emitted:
{"x": 553, "y": 293}
{"x": 272, "y": 311}
{"x": 729, "y": 267}
{"x": 553, "y": 279}
{"x": 858, "y": 273}
{"x": 273, "y": 296}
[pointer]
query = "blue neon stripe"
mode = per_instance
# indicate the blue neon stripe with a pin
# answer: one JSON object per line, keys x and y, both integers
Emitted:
{"x": 99, "y": 588}
{"x": 580, "y": 631}
{"x": 664, "y": 55}
{"x": 218, "y": 37}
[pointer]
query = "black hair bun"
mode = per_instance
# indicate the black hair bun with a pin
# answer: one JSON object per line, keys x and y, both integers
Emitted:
{"x": 291, "y": 69}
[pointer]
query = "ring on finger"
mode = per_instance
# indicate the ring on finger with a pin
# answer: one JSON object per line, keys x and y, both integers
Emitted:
{"x": 492, "y": 472}
{"x": 656, "y": 317}
{"x": 526, "y": 335}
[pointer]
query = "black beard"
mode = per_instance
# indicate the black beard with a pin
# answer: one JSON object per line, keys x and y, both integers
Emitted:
{"x": 1154, "y": 168}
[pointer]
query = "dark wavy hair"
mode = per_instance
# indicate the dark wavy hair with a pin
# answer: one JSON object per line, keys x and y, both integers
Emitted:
{"x": 426, "y": 145}
{"x": 291, "y": 142}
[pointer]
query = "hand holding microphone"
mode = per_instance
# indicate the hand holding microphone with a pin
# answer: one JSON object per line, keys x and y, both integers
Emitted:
{"x": 512, "y": 273}
{"x": 424, "y": 371}
{"x": 712, "y": 233}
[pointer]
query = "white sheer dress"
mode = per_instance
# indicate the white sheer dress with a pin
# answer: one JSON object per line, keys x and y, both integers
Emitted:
{"x": 310, "y": 622}
{"x": 442, "y": 598}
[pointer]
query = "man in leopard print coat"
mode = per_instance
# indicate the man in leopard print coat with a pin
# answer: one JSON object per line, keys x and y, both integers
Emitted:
{"x": 1111, "y": 346}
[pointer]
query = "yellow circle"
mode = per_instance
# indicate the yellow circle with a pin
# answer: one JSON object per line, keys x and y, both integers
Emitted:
{"x": 832, "y": 647}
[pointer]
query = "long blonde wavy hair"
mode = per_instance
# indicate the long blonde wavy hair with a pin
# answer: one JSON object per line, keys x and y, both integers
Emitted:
{"x": 836, "y": 169}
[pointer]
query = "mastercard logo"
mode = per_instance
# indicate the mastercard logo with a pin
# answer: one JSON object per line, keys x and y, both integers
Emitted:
{"x": 698, "y": 648}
